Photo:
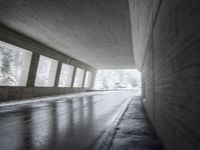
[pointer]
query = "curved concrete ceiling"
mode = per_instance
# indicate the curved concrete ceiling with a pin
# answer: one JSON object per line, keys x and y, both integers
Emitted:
{"x": 96, "y": 32}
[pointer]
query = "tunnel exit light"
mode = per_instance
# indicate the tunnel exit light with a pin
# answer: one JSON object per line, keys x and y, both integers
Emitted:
{"x": 123, "y": 79}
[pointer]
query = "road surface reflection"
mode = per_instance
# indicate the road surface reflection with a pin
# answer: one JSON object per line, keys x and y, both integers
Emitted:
{"x": 67, "y": 123}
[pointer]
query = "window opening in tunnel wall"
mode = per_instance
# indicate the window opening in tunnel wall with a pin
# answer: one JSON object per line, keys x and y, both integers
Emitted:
{"x": 123, "y": 79}
{"x": 88, "y": 79}
{"x": 79, "y": 75}
{"x": 46, "y": 72}
{"x": 66, "y": 75}
{"x": 14, "y": 65}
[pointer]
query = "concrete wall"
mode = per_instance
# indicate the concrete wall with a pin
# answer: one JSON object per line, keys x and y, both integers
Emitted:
{"x": 171, "y": 74}
{"x": 37, "y": 48}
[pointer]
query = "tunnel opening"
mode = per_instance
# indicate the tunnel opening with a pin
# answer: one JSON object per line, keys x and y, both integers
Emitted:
{"x": 118, "y": 79}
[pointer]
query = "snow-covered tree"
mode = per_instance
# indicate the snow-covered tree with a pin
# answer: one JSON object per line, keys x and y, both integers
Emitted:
{"x": 10, "y": 66}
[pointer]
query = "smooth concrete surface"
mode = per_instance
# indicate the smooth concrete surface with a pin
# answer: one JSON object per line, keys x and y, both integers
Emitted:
{"x": 76, "y": 123}
{"x": 143, "y": 14}
{"x": 20, "y": 93}
{"x": 134, "y": 131}
{"x": 97, "y": 33}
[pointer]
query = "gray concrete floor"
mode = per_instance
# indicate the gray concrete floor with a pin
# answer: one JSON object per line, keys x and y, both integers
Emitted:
{"x": 78, "y": 123}
{"x": 133, "y": 131}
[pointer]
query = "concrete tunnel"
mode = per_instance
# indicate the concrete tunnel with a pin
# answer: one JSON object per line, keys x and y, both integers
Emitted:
{"x": 160, "y": 38}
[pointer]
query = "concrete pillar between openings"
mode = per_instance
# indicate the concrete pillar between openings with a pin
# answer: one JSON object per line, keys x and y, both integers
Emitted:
{"x": 84, "y": 76}
{"x": 93, "y": 79}
{"x": 73, "y": 76}
{"x": 33, "y": 70}
{"x": 58, "y": 74}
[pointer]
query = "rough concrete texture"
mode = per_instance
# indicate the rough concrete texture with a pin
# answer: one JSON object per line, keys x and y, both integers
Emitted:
{"x": 95, "y": 32}
{"x": 171, "y": 74}
{"x": 133, "y": 131}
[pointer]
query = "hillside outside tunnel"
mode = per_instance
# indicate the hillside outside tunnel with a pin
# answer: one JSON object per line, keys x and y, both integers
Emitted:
{"x": 51, "y": 53}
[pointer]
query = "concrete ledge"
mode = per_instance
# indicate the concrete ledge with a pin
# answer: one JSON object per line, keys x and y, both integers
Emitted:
{"x": 14, "y": 93}
{"x": 48, "y": 98}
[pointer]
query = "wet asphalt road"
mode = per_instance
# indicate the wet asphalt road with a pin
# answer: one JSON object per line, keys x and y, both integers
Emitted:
{"x": 68, "y": 123}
